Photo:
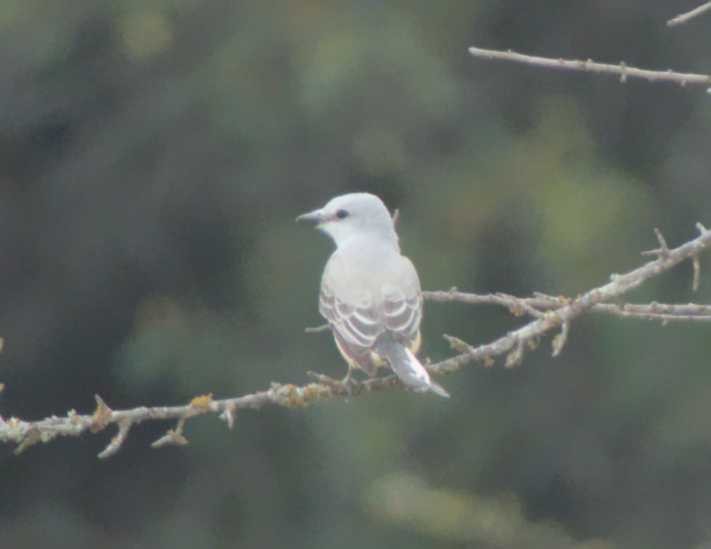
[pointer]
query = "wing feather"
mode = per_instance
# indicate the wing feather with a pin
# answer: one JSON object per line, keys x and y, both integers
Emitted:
{"x": 403, "y": 315}
{"x": 356, "y": 326}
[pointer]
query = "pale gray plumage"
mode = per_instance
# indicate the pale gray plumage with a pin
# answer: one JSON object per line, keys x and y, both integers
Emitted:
{"x": 370, "y": 293}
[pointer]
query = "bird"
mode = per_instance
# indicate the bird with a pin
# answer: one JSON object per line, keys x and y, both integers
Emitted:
{"x": 370, "y": 293}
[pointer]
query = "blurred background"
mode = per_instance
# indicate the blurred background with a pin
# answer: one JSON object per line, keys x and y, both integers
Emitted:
{"x": 153, "y": 156}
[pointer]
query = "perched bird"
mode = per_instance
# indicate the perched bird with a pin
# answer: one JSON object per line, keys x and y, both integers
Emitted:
{"x": 370, "y": 293}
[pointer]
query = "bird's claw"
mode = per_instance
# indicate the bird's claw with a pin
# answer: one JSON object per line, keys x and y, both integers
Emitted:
{"x": 323, "y": 378}
{"x": 347, "y": 384}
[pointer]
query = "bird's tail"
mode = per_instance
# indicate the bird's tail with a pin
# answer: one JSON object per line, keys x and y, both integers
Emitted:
{"x": 406, "y": 366}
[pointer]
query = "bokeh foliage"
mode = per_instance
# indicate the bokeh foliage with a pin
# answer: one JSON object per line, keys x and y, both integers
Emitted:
{"x": 153, "y": 156}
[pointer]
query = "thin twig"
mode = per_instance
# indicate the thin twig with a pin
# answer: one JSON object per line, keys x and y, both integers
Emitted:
{"x": 663, "y": 249}
{"x": 517, "y": 305}
{"x": 317, "y": 329}
{"x": 562, "y": 312}
{"x": 696, "y": 264}
{"x": 561, "y": 339}
{"x": 124, "y": 426}
{"x": 172, "y": 437}
{"x": 228, "y": 415}
{"x": 622, "y": 70}
{"x": 684, "y": 17}
{"x": 642, "y": 312}
{"x": 541, "y": 302}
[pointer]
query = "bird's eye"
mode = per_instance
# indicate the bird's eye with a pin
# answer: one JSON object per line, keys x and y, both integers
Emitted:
{"x": 341, "y": 214}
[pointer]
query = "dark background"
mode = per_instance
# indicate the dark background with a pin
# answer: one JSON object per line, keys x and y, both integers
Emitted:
{"x": 153, "y": 156}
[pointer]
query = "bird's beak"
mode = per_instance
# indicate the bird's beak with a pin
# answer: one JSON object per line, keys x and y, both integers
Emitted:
{"x": 314, "y": 217}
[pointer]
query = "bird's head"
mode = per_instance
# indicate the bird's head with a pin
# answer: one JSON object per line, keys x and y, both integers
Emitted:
{"x": 352, "y": 215}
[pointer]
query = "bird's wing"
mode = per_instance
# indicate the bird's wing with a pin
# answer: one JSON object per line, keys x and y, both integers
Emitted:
{"x": 358, "y": 327}
{"x": 402, "y": 314}
{"x": 402, "y": 301}
{"x": 362, "y": 303}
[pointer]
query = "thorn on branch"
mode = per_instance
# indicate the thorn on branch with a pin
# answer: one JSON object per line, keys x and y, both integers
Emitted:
{"x": 228, "y": 415}
{"x": 101, "y": 417}
{"x": 515, "y": 357}
{"x": 172, "y": 437}
{"x": 560, "y": 339}
{"x": 696, "y": 263}
{"x": 124, "y": 426}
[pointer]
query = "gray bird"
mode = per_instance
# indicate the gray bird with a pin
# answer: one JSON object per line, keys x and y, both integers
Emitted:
{"x": 370, "y": 293}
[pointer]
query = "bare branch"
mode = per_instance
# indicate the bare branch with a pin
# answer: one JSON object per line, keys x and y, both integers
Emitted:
{"x": 550, "y": 313}
{"x": 619, "y": 285}
{"x": 519, "y": 305}
{"x": 622, "y": 71}
{"x": 684, "y": 17}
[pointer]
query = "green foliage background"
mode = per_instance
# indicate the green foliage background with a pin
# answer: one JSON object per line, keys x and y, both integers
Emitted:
{"x": 153, "y": 156}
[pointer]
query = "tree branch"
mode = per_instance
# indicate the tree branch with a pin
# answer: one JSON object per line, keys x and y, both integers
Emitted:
{"x": 684, "y": 17}
{"x": 539, "y": 303}
{"x": 550, "y": 314}
{"x": 621, "y": 70}
{"x": 514, "y": 342}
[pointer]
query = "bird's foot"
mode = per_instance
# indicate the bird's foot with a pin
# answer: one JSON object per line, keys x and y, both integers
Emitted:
{"x": 323, "y": 378}
{"x": 346, "y": 384}
{"x": 350, "y": 383}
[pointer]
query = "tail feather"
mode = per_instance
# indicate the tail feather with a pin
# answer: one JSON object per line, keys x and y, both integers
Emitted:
{"x": 410, "y": 370}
